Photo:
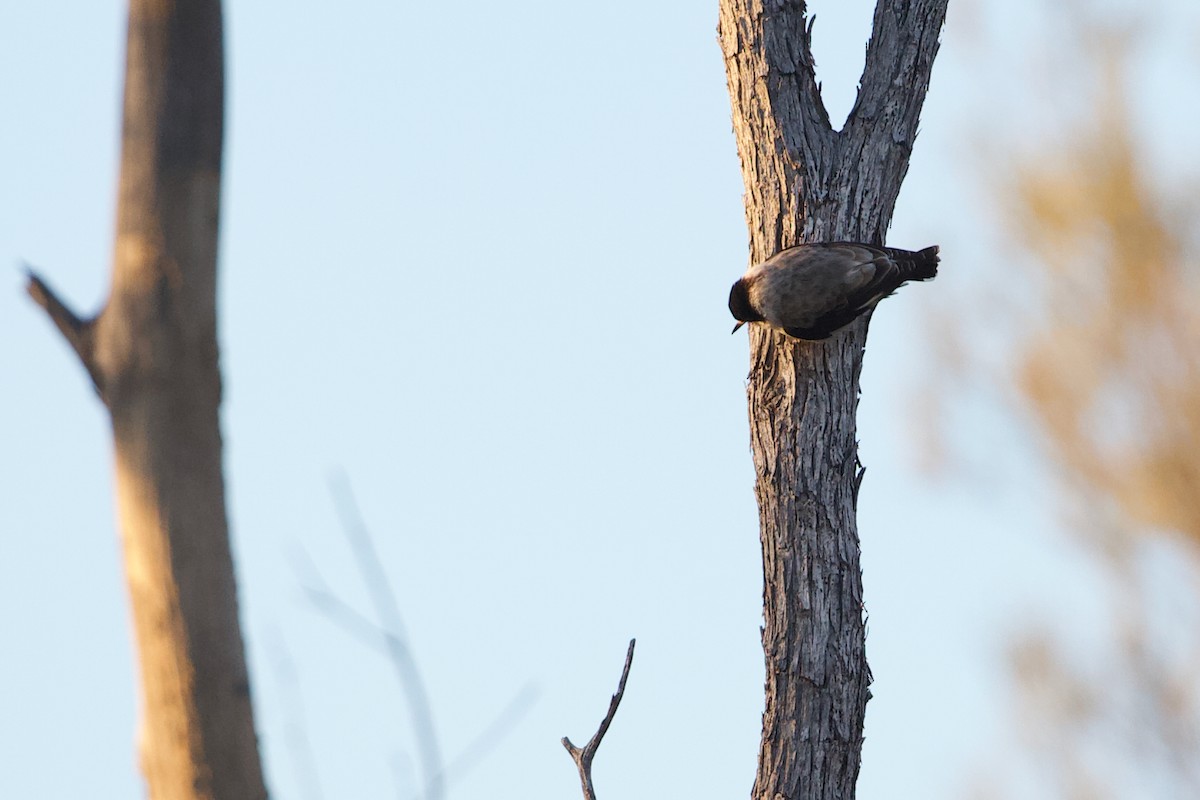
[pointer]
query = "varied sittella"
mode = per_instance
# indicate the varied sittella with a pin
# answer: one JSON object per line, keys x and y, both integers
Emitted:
{"x": 811, "y": 290}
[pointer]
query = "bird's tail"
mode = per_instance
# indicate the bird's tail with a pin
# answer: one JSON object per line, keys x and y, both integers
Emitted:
{"x": 920, "y": 265}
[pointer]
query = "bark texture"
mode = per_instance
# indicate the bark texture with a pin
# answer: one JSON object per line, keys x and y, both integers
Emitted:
{"x": 806, "y": 182}
{"x": 152, "y": 354}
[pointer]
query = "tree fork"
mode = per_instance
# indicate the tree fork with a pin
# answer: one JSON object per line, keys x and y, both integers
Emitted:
{"x": 152, "y": 354}
{"x": 806, "y": 182}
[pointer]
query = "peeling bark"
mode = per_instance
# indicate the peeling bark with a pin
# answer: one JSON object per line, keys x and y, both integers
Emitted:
{"x": 806, "y": 182}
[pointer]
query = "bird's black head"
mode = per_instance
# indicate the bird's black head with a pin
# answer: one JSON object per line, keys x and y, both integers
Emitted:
{"x": 739, "y": 304}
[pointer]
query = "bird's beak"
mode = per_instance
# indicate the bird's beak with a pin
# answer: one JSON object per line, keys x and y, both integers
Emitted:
{"x": 735, "y": 327}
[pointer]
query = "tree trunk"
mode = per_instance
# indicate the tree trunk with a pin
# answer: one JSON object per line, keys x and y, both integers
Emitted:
{"x": 152, "y": 354}
{"x": 806, "y": 182}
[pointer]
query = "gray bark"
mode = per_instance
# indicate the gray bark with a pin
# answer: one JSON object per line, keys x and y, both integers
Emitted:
{"x": 806, "y": 182}
{"x": 152, "y": 354}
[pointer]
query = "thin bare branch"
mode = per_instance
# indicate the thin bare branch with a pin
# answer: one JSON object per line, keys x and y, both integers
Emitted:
{"x": 360, "y": 627}
{"x": 398, "y": 651}
{"x": 583, "y": 756}
{"x": 77, "y": 332}
{"x": 495, "y": 732}
{"x": 296, "y": 730}
{"x": 379, "y": 638}
{"x": 347, "y": 618}
{"x": 337, "y": 610}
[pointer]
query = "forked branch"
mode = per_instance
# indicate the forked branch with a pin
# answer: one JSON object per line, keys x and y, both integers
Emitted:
{"x": 583, "y": 756}
{"x": 387, "y": 609}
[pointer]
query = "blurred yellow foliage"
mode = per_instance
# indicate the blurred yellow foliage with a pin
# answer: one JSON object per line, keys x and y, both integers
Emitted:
{"x": 1109, "y": 373}
{"x": 1114, "y": 378}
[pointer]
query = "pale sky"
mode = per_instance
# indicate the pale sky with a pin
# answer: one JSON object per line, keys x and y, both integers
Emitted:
{"x": 476, "y": 257}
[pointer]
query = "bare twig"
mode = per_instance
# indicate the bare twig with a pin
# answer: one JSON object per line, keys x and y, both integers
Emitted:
{"x": 366, "y": 631}
{"x": 77, "y": 332}
{"x": 296, "y": 729}
{"x": 335, "y": 608}
{"x": 388, "y": 637}
{"x": 491, "y": 736}
{"x": 583, "y": 757}
{"x": 399, "y": 654}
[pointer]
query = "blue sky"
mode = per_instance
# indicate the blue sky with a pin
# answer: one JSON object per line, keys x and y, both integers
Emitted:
{"x": 477, "y": 259}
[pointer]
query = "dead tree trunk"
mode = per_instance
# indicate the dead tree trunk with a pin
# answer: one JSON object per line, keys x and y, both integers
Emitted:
{"x": 152, "y": 354}
{"x": 806, "y": 182}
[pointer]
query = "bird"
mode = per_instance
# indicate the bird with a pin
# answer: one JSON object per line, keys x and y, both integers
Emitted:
{"x": 812, "y": 290}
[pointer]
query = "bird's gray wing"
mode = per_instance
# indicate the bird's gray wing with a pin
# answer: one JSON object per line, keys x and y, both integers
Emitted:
{"x": 869, "y": 274}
